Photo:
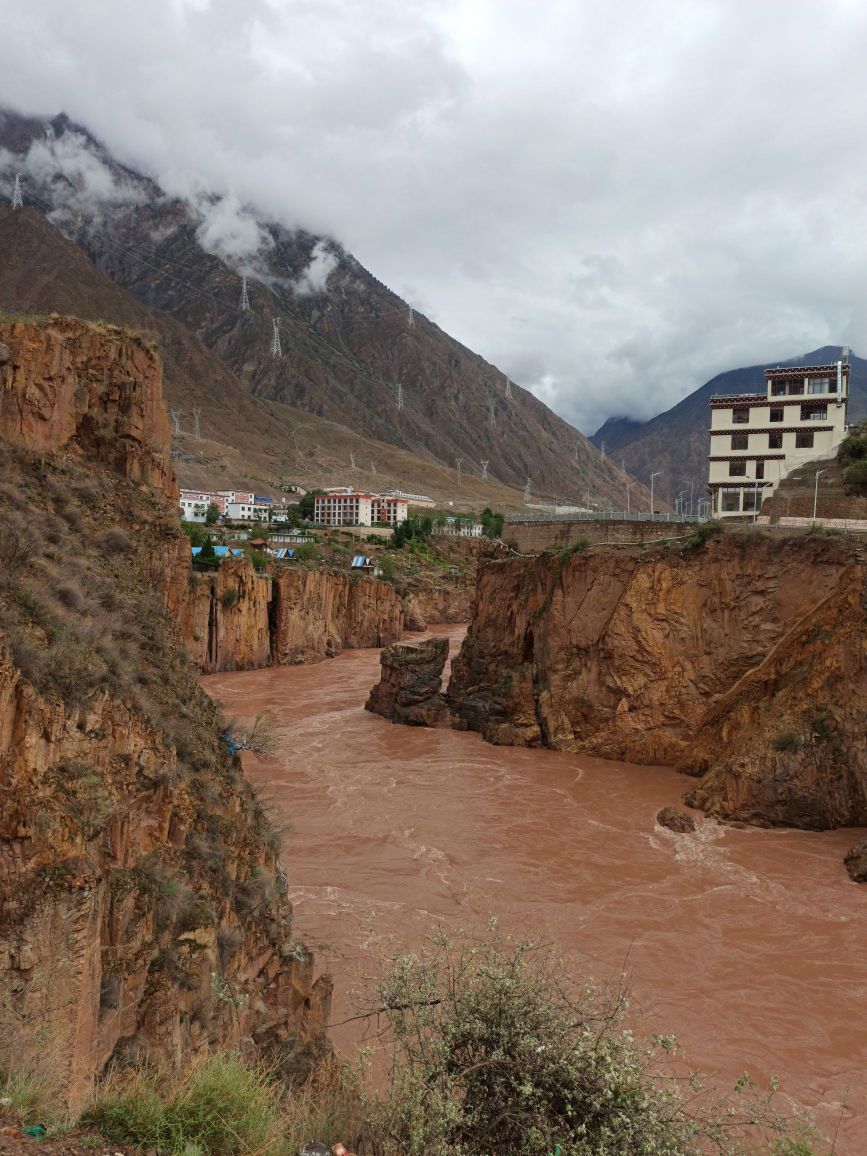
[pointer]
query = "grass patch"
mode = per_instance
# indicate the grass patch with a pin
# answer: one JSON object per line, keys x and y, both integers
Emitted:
{"x": 787, "y": 741}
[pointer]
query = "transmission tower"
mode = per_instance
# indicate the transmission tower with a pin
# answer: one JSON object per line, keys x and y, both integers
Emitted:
{"x": 276, "y": 347}
{"x": 245, "y": 300}
{"x": 399, "y": 389}
{"x": 352, "y": 460}
{"x": 508, "y": 388}
{"x": 197, "y": 429}
{"x": 17, "y": 201}
{"x": 485, "y": 469}
{"x": 577, "y": 455}
{"x": 176, "y": 415}
{"x": 373, "y": 468}
{"x": 458, "y": 463}
{"x": 410, "y": 316}
{"x": 602, "y": 451}
{"x": 527, "y": 493}
{"x": 492, "y": 412}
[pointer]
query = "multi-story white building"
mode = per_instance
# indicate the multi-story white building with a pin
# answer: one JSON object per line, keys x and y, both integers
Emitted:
{"x": 194, "y": 504}
{"x": 346, "y": 507}
{"x": 251, "y": 511}
{"x": 756, "y": 439}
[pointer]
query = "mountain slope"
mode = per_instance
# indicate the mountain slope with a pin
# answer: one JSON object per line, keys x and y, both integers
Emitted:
{"x": 246, "y": 440}
{"x": 677, "y": 442}
{"x": 347, "y": 340}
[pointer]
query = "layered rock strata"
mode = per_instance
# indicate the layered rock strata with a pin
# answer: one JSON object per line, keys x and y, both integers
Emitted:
{"x": 409, "y": 688}
{"x": 704, "y": 656}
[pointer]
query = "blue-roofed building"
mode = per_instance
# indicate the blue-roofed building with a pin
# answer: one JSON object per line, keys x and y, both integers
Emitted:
{"x": 359, "y": 562}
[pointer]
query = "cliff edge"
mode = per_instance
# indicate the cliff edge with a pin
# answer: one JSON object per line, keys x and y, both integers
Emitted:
{"x": 143, "y": 910}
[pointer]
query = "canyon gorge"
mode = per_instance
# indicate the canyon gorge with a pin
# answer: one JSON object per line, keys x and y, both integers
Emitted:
{"x": 144, "y": 912}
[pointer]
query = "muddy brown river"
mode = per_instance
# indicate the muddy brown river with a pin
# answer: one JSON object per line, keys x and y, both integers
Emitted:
{"x": 749, "y": 945}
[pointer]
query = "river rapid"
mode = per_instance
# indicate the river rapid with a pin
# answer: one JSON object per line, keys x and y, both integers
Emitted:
{"x": 747, "y": 944}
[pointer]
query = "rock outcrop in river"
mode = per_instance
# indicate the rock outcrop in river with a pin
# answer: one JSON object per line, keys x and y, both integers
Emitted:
{"x": 412, "y": 677}
{"x": 143, "y": 912}
{"x": 742, "y": 660}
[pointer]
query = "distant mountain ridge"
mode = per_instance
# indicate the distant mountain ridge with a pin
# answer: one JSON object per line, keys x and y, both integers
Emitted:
{"x": 676, "y": 442}
{"x": 352, "y": 352}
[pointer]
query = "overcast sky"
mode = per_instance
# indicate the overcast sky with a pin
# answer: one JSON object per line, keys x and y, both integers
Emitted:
{"x": 611, "y": 199}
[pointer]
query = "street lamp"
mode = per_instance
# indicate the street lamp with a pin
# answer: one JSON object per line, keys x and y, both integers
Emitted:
{"x": 652, "y": 476}
{"x": 816, "y": 491}
{"x": 628, "y": 485}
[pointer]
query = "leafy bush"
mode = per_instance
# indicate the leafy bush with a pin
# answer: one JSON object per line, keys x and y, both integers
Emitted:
{"x": 702, "y": 534}
{"x": 229, "y": 598}
{"x": 115, "y": 541}
{"x": 307, "y": 552}
{"x": 856, "y": 474}
{"x": 499, "y": 1050}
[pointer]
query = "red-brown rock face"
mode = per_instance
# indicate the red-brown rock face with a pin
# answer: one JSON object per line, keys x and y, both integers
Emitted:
{"x": 87, "y": 389}
{"x": 315, "y": 615}
{"x": 409, "y": 689}
{"x": 143, "y": 912}
{"x": 624, "y": 655}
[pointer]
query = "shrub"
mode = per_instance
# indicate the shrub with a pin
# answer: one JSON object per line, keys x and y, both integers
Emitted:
{"x": 498, "y": 1049}
{"x": 307, "y": 551}
{"x": 702, "y": 534}
{"x": 229, "y": 598}
{"x": 856, "y": 474}
{"x": 115, "y": 541}
{"x": 221, "y": 1107}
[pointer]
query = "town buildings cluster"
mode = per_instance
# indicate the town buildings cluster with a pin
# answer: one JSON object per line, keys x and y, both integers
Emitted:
{"x": 344, "y": 506}
{"x": 234, "y": 505}
{"x": 757, "y": 439}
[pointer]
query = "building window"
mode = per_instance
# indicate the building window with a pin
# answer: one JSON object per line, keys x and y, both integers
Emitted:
{"x": 731, "y": 501}
{"x": 752, "y": 499}
{"x": 778, "y": 389}
{"x": 814, "y": 413}
{"x": 760, "y": 469}
{"x": 775, "y": 441}
{"x": 740, "y": 441}
{"x": 737, "y": 469}
{"x": 776, "y": 414}
{"x": 740, "y": 416}
{"x": 818, "y": 385}
{"x": 803, "y": 441}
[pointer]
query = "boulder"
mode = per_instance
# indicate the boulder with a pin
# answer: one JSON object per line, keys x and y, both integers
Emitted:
{"x": 856, "y": 862}
{"x": 675, "y": 820}
{"x": 409, "y": 688}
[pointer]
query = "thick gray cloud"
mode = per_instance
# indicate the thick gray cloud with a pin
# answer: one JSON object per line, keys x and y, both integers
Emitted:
{"x": 610, "y": 201}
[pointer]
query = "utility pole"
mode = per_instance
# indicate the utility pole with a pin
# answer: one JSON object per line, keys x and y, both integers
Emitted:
{"x": 458, "y": 464}
{"x": 176, "y": 415}
{"x": 399, "y": 389}
{"x": 485, "y": 469}
{"x": 816, "y": 491}
{"x": 527, "y": 493}
{"x": 629, "y": 486}
{"x": 276, "y": 347}
{"x": 17, "y": 199}
{"x": 197, "y": 429}
{"x": 508, "y": 389}
{"x": 245, "y": 300}
{"x": 653, "y": 476}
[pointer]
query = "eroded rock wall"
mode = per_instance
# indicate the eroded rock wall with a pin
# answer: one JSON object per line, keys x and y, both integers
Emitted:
{"x": 623, "y": 655}
{"x": 143, "y": 911}
{"x": 409, "y": 688}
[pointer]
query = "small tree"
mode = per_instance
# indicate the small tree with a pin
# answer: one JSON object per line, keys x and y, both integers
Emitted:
{"x": 211, "y": 514}
{"x": 306, "y": 506}
{"x": 208, "y": 550}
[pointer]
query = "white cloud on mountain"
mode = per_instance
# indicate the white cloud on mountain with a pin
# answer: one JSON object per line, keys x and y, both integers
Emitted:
{"x": 610, "y": 201}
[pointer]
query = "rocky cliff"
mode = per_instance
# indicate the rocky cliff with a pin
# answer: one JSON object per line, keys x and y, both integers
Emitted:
{"x": 667, "y": 656}
{"x": 409, "y": 688}
{"x": 143, "y": 911}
